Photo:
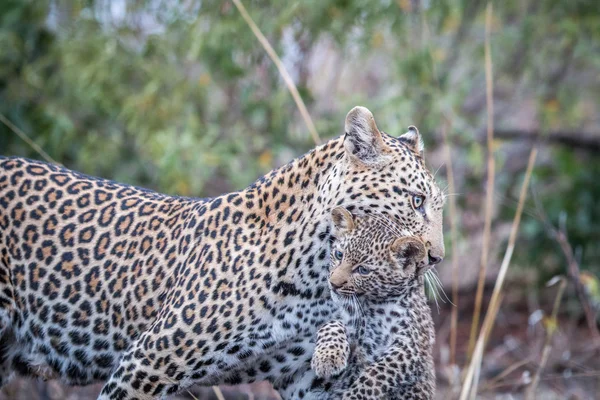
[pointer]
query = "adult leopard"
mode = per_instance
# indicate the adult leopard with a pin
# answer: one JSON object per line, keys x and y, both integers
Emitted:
{"x": 103, "y": 280}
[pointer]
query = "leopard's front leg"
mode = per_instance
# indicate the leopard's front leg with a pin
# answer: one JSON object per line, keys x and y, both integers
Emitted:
{"x": 331, "y": 351}
{"x": 143, "y": 375}
{"x": 163, "y": 361}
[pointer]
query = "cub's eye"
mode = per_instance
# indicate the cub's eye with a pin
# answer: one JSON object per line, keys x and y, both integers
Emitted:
{"x": 417, "y": 201}
{"x": 338, "y": 254}
{"x": 362, "y": 270}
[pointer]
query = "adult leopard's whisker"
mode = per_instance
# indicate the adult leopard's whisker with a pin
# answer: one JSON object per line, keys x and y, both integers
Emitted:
{"x": 435, "y": 276}
{"x": 434, "y": 285}
{"x": 433, "y": 292}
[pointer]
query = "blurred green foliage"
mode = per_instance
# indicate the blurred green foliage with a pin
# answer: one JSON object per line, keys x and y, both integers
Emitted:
{"x": 180, "y": 97}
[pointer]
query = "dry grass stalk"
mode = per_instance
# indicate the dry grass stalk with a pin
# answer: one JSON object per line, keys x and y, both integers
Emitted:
{"x": 215, "y": 389}
{"x": 486, "y": 330}
{"x": 218, "y": 393}
{"x": 550, "y": 329}
{"x": 446, "y": 126}
{"x": 26, "y": 139}
{"x": 475, "y": 364}
{"x": 491, "y": 166}
{"x": 289, "y": 82}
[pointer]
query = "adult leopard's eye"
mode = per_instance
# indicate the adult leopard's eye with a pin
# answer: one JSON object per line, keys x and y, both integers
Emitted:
{"x": 417, "y": 201}
{"x": 363, "y": 270}
{"x": 338, "y": 254}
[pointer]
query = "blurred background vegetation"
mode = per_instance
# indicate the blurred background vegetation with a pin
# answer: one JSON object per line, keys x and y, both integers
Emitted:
{"x": 181, "y": 98}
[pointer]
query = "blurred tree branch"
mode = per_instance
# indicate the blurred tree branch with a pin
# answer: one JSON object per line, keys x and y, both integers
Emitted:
{"x": 589, "y": 142}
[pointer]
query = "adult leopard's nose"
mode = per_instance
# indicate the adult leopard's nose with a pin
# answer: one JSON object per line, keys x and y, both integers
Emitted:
{"x": 433, "y": 259}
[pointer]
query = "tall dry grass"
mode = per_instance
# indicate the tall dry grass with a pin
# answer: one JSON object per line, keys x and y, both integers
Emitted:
{"x": 469, "y": 388}
{"x": 289, "y": 82}
{"x": 491, "y": 169}
{"x": 446, "y": 126}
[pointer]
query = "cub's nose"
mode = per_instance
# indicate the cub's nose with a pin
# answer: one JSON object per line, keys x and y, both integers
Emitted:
{"x": 338, "y": 278}
{"x": 433, "y": 259}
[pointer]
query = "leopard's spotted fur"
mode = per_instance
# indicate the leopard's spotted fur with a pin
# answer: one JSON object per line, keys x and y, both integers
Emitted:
{"x": 103, "y": 280}
{"x": 377, "y": 278}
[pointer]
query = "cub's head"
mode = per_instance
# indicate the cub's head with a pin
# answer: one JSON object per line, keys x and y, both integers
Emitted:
{"x": 372, "y": 258}
{"x": 387, "y": 175}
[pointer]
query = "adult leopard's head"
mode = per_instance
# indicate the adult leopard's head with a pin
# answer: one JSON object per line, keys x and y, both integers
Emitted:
{"x": 374, "y": 259}
{"x": 379, "y": 173}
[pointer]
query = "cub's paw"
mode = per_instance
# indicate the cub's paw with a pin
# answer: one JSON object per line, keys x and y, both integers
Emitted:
{"x": 329, "y": 363}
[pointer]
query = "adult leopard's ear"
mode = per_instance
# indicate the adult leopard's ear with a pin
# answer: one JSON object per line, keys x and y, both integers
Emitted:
{"x": 414, "y": 140}
{"x": 343, "y": 221}
{"x": 408, "y": 250}
{"x": 363, "y": 141}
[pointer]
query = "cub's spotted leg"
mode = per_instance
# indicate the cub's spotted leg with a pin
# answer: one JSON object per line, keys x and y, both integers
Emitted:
{"x": 331, "y": 351}
{"x": 401, "y": 373}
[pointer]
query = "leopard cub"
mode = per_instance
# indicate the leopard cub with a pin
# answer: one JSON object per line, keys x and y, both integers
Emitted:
{"x": 382, "y": 342}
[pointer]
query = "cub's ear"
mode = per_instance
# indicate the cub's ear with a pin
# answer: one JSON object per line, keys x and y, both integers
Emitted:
{"x": 407, "y": 250}
{"x": 414, "y": 140}
{"x": 343, "y": 221}
{"x": 363, "y": 140}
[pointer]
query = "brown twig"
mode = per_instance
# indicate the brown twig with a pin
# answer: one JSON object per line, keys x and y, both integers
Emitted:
{"x": 476, "y": 359}
{"x": 507, "y": 371}
{"x": 590, "y": 374}
{"x": 573, "y": 270}
{"x": 574, "y": 273}
{"x": 491, "y": 166}
{"x": 550, "y": 329}
{"x": 289, "y": 82}
{"x": 26, "y": 139}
